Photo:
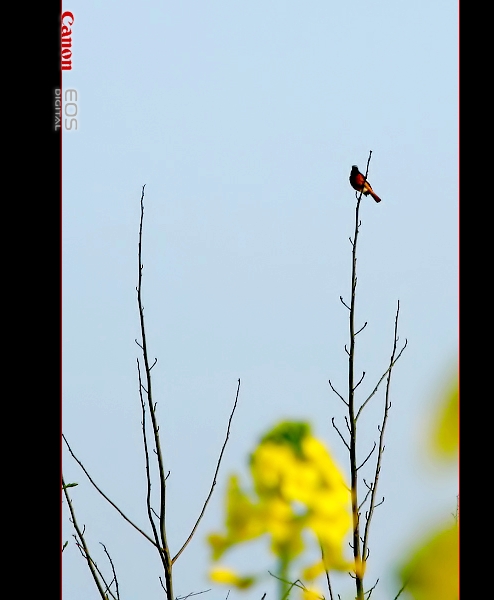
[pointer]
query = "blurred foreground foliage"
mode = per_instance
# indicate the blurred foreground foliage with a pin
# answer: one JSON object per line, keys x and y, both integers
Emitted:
{"x": 431, "y": 569}
{"x": 296, "y": 489}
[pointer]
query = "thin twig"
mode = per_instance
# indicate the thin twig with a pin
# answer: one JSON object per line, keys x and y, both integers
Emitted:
{"x": 400, "y": 591}
{"x": 381, "y": 379}
{"x": 82, "y": 543}
{"x": 192, "y": 594}
{"x": 214, "y": 478}
{"x": 105, "y": 496}
{"x": 347, "y": 425}
{"x": 365, "y": 498}
{"x": 343, "y": 302}
{"x": 150, "y": 510}
{"x": 337, "y": 393}
{"x": 387, "y": 405}
{"x": 330, "y": 590}
{"x": 368, "y": 456}
{"x": 107, "y": 585}
{"x": 113, "y": 570}
{"x": 297, "y": 583}
{"x": 361, "y": 379}
{"x": 339, "y": 433}
{"x": 164, "y": 551}
{"x": 369, "y": 591}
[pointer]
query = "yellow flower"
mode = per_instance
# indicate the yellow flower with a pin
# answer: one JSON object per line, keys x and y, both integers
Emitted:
{"x": 299, "y": 488}
{"x": 243, "y": 520}
{"x": 224, "y": 575}
{"x": 311, "y": 594}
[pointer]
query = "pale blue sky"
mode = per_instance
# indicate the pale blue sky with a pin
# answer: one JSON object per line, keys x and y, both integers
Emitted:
{"x": 243, "y": 120}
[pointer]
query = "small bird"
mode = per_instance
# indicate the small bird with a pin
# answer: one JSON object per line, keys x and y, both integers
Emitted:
{"x": 357, "y": 182}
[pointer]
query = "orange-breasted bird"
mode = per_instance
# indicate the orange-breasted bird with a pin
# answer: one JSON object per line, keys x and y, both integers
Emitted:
{"x": 357, "y": 182}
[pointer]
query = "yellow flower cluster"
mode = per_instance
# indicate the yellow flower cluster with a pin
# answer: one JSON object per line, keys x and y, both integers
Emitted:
{"x": 298, "y": 487}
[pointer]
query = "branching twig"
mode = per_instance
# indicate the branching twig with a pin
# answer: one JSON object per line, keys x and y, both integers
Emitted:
{"x": 351, "y": 400}
{"x": 343, "y": 302}
{"x": 387, "y": 405}
{"x": 164, "y": 551}
{"x": 368, "y": 593}
{"x": 330, "y": 590}
{"x": 368, "y": 456}
{"x": 82, "y": 542}
{"x": 365, "y": 498}
{"x": 400, "y": 591}
{"x": 107, "y": 585}
{"x": 214, "y": 478}
{"x": 381, "y": 379}
{"x": 105, "y": 496}
{"x": 113, "y": 571}
{"x": 150, "y": 510}
{"x": 361, "y": 379}
{"x": 192, "y": 594}
{"x": 337, "y": 393}
{"x": 339, "y": 433}
{"x": 297, "y": 583}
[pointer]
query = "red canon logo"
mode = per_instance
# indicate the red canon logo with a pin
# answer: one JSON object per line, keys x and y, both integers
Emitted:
{"x": 67, "y": 21}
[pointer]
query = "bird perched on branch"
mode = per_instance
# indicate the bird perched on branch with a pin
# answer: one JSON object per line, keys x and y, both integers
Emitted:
{"x": 357, "y": 181}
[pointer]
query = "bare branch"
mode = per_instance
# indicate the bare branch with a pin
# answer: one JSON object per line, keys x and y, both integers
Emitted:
{"x": 214, "y": 478}
{"x": 337, "y": 393}
{"x": 368, "y": 456}
{"x": 365, "y": 499}
{"x": 339, "y": 433}
{"x": 192, "y": 594}
{"x": 360, "y": 380}
{"x": 164, "y": 551}
{"x": 150, "y": 510}
{"x": 388, "y": 370}
{"x": 105, "y": 496}
{"x": 368, "y": 486}
{"x": 362, "y": 328}
{"x": 297, "y": 583}
{"x": 113, "y": 570}
{"x": 369, "y": 592}
{"x": 81, "y": 543}
{"x": 344, "y": 303}
{"x": 330, "y": 590}
{"x": 379, "y": 503}
{"x": 400, "y": 591}
{"x": 387, "y": 404}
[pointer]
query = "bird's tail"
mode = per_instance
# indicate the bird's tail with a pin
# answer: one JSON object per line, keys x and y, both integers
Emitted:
{"x": 375, "y": 196}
